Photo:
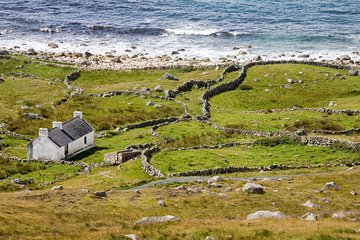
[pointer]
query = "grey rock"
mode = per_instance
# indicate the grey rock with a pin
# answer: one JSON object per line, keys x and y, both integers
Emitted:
{"x": 88, "y": 54}
{"x": 132, "y": 236}
{"x": 31, "y": 52}
{"x": 158, "y": 88}
{"x": 209, "y": 238}
{"x": 310, "y": 204}
{"x": 341, "y": 215}
{"x": 353, "y": 193}
{"x": 168, "y": 76}
{"x": 53, "y": 45}
{"x": 55, "y": 188}
{"x": 309, "y": 217}
{"x": 265, "y": 214}
{"x": 304, "y": 55}
{"x": 290, "y": 80}
{"x": 174, "y": 53}
{"x": 2, "y": 80}
{"x": 147, "y": 220}
{"x": 337, "y": 74}
{"x": 157, "y": 106}
{"x": 170, "y": 94}
{"x": 353, "y": 72}
{"x": 253, "y": 188}
{"x": 331, "y": 185}
{"x": 332, "y": 104}
{"x": 215, "y": 179}
{"x": 31, "y": 116}
{"x": 149, "y": 103}
{"x": 4, "y": 52}
{"x": 345, "y": 57}
{"x": 100, "y": 194}
{"x": 257, "y": 58}
{"x": 162, "y": 203}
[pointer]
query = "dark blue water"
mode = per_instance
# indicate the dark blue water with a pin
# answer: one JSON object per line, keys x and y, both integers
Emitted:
{"x": 206, "y": 28}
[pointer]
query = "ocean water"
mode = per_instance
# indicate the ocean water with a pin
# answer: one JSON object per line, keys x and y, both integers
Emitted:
{"x": 201, "y": 28}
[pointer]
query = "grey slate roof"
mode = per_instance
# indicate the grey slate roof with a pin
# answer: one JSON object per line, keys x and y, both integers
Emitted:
{"x": 71, "y": 130}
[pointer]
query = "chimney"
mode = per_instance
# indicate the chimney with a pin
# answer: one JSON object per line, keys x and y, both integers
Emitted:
{"x": 78, "y": 114}
{"x": 43, "y": 132}
{"x": 57, "y": 125}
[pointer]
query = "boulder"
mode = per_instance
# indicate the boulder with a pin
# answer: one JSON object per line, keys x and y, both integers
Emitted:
{"x": 332, "y": 104}
{"x": 215, "y": 179}
{"x": 53, "y": 45}
{"x": 341, "y": 215}
{"x": 168, "y": 76}
{"x": 158, "y": 88}
{"x": 157, "y": 106}
{"x": 131, "y": 237}
{"x": 31, "y": 52}
{"x": 265, "y": 214}
{"x": 149, "y": 103}
{"x": 4, "y": 52}
{"x": 310, "y": 204}
{"x": 174, "y": 53}
{"x": 162, "y": 219}
{"x": 55, "y": 188}
{"x": 345, "y": 57}
{"x": 331, "y": 185}
{"x": 257, "y": 58}
{"x": 31, "y": 116}
{"x": 88, "y": 54}
{"x": 353, "y": 72}
{"x": 309, "y": 217}
{"x": 304, "y": 55}
{"x": 170, "y": 94}
{"x": 253, "y": 188}
{"x": 2, "y": 80}
{"x": 162, "y": 203}
{"x": 290, "y": 80}
{"x": 100, "y": 194}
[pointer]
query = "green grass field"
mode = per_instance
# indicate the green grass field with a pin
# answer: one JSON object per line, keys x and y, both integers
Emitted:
{"x": 73, "y": 213}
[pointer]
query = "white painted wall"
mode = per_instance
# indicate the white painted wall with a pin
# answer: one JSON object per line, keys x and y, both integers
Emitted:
{"x": 45, "y": 149}
{"x": 79, "y": 145}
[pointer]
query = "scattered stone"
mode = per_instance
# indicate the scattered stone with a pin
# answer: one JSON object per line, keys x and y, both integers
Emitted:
{"x": 242, "y": 53}
{"x": 168, "y": 76}
{"x": 147, "y": 220}
{"x": 4, "y": 52}
{"x": 88, "y": 54}
{"x": 265, "y": 214}
{"x": 215, "y": 179}
{"x": 158, "y": 88}
{"x": 132, "y": 237}
{"x": 181, "y": 187}
{"x": 331, "y": 185}
{"x": 31, "y": 52}
{"x": 324, "y": 200}
{"x": 170, "y": 94}
{"x": 53, "y": 45}
{"x": 209, "y": 238}
{"x": 31, "y": 116}
{"x": 56, "y": 188}
{"x": 353, "y": 193}
{"x": 290, "y": 80}
{"x": 205, "y": 73}
{"x": 162, "y": 203}
{"x": 253, "y": 188}
{"x": 174, "y": 53}
{"x": 353, "y": 72}
{"x": 341, "y": 215}
{"x": 149, "y": 103}
{"x": 337, "y": 74}
{"x": 303, "y": 56}
{"x": 2, "y": 80}
{"x": 309, "y": 204}
{"x": 345, "y": 57}
{"x": 332, "y": 104}
{"x": 100, "y": 194}
{"x": 309, "y": 217}
{"x": 256, "y": 80}
{"x": 257, "y": 58}
{"x": 157, "y": 106}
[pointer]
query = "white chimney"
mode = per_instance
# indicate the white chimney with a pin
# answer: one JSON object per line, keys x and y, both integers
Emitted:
{"x": 43, "y": 132}
{"x": 57, "y": 125}
{"x": 77, "y": 114}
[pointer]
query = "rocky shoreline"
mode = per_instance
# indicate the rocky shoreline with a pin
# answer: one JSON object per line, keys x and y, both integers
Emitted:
{"x": 131, "y": 61}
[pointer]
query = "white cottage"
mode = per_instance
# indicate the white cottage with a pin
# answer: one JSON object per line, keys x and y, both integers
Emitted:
{"x": 63, "y": 141}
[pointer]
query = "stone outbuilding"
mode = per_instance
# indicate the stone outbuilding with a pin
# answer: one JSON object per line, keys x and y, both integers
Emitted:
{"x": 63, "y": 141}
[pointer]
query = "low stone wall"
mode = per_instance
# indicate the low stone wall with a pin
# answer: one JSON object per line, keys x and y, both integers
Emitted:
{"x": 322, "y": 110}
{"x": 145, "y": 161}
{"x": 341, "y": 132}
{"x": 119, "y": 157}
{"x": 150, "y": 123}
{"x": 231, "y": 169}
{"x": 14, "y": 134}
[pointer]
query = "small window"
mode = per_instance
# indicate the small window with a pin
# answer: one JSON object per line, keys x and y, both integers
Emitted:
{"x": 85, "y": 140}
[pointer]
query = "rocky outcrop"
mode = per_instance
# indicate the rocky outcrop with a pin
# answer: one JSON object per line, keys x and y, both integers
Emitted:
{"x": 265, "y": 214}
{"x": 162, "y": 219}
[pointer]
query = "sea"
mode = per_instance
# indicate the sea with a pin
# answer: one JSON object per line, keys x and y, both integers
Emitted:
{"x": 194, "y": 28}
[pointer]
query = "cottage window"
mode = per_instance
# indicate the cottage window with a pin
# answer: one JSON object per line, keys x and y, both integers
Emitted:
{"x": 85, "y": 140}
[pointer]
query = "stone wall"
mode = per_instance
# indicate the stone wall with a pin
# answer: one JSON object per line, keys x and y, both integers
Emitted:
{"x": 119, "y": 157}
{"x": 145, "y": 161}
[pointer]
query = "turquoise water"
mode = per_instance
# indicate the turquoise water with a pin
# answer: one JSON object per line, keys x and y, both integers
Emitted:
{"x": 207, "y": 28}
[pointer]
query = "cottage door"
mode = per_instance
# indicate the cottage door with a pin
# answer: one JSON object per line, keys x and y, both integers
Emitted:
{"x": 66, "y": 150}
